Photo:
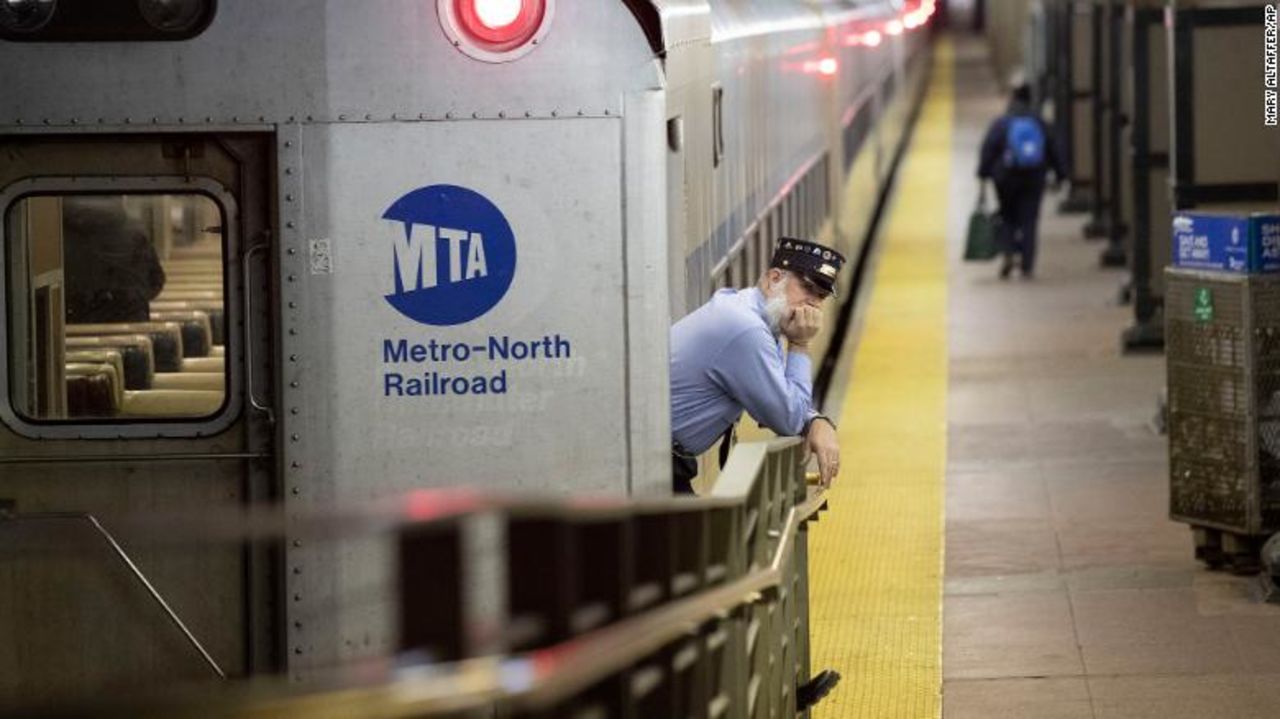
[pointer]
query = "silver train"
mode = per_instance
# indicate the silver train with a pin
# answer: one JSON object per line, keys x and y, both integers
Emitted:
{"x": 309, "y": 254}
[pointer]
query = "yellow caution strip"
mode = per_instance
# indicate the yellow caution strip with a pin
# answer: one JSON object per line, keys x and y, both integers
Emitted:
{"x": 876, "y": 556}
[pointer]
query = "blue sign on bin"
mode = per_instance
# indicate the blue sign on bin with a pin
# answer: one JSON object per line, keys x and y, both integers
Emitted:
{"x": 1227, "y": 242}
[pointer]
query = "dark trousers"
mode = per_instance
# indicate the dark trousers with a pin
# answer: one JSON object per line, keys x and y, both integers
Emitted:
{"x": 684, "y": 465}
{"x": 683, "y": 470}
{"x": 1019, "y": 215}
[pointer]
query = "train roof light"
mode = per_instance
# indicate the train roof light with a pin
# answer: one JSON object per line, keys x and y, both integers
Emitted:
{"x": 871, "y": 38}
{"x": 893, "y": 27}
{"x": 495, "y": 30}
{"x": 56, "y": 21}
{"x": 25, "y": 15}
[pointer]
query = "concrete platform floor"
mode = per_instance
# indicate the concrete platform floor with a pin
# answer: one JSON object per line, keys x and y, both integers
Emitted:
{"x": 1069, "y": 594}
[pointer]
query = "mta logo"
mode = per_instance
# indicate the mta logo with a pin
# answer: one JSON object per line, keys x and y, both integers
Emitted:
{"x": 453, "y": 255}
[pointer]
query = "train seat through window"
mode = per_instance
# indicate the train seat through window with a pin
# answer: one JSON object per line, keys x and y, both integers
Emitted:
{"x": 166, "y": 339}
{"x": 135, "y": 352}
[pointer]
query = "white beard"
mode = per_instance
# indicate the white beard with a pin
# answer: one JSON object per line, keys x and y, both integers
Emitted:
{"x": 775, "y": 308}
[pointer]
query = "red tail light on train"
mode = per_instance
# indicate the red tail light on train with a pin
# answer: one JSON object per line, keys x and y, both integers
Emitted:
{"x": 496, "y": 30}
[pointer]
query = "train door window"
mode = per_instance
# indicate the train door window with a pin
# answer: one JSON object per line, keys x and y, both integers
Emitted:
{"x": 116, "y": 307}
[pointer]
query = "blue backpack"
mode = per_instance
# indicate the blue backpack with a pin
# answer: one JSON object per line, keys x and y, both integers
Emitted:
{"x": 1024, "y": 143}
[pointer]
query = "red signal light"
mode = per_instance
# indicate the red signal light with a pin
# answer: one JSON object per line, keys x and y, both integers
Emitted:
{"x": 500, "y": 24}
{"x": 498, "y": 14}
{"x": 495, "y": 30}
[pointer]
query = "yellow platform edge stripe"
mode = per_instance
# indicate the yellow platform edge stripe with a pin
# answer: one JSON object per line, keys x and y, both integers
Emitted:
{"x": 876, "y": 558}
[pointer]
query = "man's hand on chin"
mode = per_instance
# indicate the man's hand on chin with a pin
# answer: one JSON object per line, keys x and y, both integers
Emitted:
{"x": 822, "y": 441}
{"x": 801, "y": 325}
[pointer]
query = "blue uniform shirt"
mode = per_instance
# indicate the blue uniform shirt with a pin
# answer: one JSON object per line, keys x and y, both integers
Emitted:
{"x": 724, "y": 359}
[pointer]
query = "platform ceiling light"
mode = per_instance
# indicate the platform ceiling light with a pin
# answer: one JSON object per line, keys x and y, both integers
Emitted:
{"x": 827, "y": 66}
{"x": 26, "y": 15}
{"x": 173, "y": 15}
{"x": 919, "y": 16}
{"x": 496, "y": 30}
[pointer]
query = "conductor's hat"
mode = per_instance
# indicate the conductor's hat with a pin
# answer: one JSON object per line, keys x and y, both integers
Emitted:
{"x": 816, "y": 264}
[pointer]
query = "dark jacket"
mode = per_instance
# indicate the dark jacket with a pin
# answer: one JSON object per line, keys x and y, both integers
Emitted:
{"x": 991, "y": 161}
{"x": 111, "y": 270}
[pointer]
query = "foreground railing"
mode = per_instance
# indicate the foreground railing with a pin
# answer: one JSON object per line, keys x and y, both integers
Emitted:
{"x": 662, "y": 608}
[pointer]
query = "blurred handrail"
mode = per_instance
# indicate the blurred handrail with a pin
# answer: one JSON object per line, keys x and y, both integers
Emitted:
{"x": 123, "y": 556}
{"x": 540, "y": 678}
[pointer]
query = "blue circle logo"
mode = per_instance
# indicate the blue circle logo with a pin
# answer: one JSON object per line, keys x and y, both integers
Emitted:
{"x": 453, "y": 255}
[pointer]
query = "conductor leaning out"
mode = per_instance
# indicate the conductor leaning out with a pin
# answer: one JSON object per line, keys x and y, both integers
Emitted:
{"x": 727, "y": 356}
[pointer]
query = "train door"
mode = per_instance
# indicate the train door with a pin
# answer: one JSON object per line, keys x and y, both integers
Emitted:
{"x": 138, "y": 362}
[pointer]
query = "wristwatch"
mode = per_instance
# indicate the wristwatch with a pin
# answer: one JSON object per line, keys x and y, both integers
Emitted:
{"x": 809, "y": 423}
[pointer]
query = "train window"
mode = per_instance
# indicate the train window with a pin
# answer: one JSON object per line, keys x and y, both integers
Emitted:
{"x": 815, "y": 199}
{"x": 824, "y": 188}
{"x": 806, "y": 219}
{"x": 741, "y": 279}
{"x": 717, "y": 125}
{"x": 116, "y": 307}
{"x": 721, "y": 279}
{"x": 775, "y": 231}
{"x": 764, "y": 250}
{"x": 675, "y": 134}
{"x": 752, "y": 249}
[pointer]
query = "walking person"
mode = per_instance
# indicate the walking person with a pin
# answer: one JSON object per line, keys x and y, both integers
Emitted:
{"x": 1017, "y": 154}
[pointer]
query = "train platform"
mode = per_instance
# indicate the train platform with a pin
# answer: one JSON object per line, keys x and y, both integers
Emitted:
{"x": 998, "y": 544}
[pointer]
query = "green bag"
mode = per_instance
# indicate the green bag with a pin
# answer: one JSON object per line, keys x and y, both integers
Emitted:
{"x": 980, "y": 242}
